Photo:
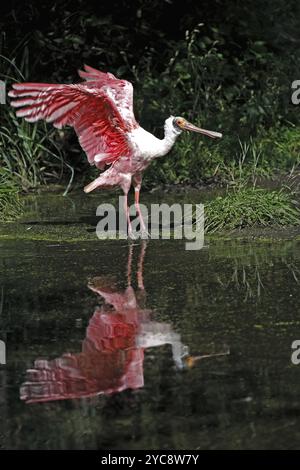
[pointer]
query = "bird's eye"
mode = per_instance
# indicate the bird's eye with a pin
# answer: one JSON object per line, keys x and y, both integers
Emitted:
{"x": 178, "y": 122}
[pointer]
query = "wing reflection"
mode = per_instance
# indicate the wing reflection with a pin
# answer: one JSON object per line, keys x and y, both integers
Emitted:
{"x": 112, "y": 353}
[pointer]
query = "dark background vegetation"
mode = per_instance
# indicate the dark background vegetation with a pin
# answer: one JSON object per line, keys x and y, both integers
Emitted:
{"x": 228, "y": 65}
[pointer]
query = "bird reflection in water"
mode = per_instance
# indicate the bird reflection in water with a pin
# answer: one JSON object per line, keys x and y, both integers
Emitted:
{"x": 112, "y": 355}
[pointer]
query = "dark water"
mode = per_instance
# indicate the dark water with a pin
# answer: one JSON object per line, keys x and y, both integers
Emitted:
{"x": 117, "y": 346}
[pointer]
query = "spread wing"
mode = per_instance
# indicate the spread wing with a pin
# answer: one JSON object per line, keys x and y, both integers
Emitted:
{"x": 120, "y": 91}
{"x": 95, "y": 109}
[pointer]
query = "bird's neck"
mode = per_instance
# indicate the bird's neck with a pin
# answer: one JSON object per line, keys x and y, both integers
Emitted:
{"x": 168, "y": 141}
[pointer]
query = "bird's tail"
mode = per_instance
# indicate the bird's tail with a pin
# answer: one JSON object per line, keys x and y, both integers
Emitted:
{"x": 108, "y": 179}
{"x": 93, "y": 185}
{"x": 101, "y": 182}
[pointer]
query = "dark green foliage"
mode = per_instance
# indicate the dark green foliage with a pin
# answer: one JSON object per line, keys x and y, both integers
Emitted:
{"x": 219, "y": 64}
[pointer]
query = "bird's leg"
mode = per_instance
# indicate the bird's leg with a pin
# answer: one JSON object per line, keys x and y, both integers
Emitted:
{"x": 125, "y": 185}
{"x": 137, "y": 182}
{"x": 137, "y": 206}
{"x": 126, "y": 209}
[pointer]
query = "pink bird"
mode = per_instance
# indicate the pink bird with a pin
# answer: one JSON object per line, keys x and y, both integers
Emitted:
{"x": 101, "y": 112}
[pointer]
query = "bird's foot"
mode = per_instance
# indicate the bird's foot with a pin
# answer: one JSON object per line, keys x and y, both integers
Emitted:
{"x": 132, "y": 235}
{"x": 145, "y": 234}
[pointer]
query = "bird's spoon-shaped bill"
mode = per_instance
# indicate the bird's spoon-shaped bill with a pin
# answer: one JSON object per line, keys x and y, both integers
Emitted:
{"x": 190, "y": 127}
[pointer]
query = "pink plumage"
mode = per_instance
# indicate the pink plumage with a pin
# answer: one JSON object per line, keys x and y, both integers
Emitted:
{"x": 101, "y": 111}
{"x": 97, "y": 116}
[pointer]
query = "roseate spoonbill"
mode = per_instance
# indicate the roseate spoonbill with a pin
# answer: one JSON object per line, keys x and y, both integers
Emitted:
{"x": 101, "y": 112}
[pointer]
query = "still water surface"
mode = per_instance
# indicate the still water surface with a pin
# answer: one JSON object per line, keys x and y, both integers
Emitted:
{"x": 117, "y": 346}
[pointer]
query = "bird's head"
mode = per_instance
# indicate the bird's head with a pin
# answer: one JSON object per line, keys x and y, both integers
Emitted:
{"x": 180, "y": 124}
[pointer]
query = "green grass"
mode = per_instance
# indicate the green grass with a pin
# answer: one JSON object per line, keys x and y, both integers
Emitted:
{"x": 248, "y": 207}
{"x": 11, "y": 206}
{"x": 30, "y": 153}
{"x": 281, "y": 146}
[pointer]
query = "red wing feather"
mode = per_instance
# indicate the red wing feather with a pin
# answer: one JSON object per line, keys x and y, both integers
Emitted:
{"x": 101, "y": 129}
{"x": 120, "y": 91}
